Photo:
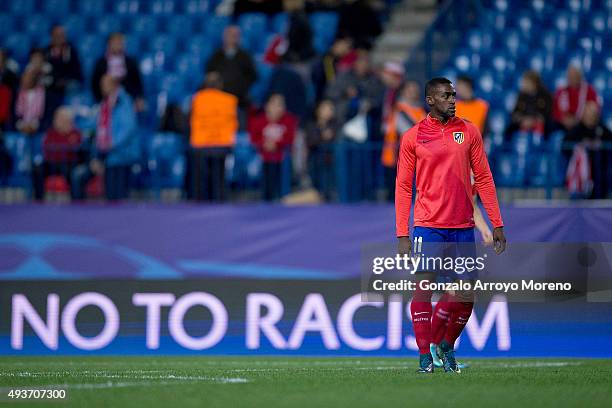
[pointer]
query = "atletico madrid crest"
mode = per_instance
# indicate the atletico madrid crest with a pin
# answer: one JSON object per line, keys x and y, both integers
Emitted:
{"x": 458, "y": 137}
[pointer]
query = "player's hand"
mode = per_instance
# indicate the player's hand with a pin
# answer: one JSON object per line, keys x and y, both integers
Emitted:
{"x": 487, "y": 236}
{"x": 404, "y": 246}
{"x": 499, "y": 240}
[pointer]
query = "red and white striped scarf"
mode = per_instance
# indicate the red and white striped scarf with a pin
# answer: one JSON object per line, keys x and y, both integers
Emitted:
{"x": 104, "y": 138}
{"x": 31, "y": 104}
{"x": 578, "y": 176}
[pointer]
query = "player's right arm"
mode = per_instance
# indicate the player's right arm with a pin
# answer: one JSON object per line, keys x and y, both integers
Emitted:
{"x": 403, "y": 188}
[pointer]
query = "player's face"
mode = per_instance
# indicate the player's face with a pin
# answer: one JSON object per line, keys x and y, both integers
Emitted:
{"x": 442, "y": 100}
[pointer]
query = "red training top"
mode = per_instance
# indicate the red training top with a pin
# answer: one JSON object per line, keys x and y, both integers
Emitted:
{"x": 443, "y": 156}
{"x": 61, "y": 147}
{"x": 571, "y": 100}
{"x": 280, "y": 134}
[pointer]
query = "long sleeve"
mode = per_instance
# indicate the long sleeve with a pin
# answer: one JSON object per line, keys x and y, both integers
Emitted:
{"x": 483, "y": 179}
{"x": 403, "y": 184}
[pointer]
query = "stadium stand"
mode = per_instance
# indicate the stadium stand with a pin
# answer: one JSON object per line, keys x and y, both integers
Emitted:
{"x": 173, "y": 40}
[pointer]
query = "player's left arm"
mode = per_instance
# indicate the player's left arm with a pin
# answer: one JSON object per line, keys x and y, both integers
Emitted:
{"x": 483, "y": 181}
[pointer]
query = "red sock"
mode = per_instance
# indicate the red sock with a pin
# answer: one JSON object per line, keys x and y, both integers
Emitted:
{"x": 459, "y": 318}
{"x": 439, "y": 320}
{"x": 420, "y": 310}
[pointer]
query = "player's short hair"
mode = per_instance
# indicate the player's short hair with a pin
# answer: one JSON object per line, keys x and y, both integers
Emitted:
{"x": 434, "y": 82}
{"x": 466, "y": 80}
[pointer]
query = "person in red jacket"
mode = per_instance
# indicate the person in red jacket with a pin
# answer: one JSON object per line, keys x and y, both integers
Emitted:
{"x": 272, "y": 133}
{"x": 61, "y": 146}
{"x": 442, "y": 150}
{"x": 570, "y": 100}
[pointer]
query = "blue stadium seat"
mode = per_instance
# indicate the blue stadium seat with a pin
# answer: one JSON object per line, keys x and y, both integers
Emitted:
{"x": 128, "y": 7}
{"x": 260, "y": 88}
{"x": 173, "y": 86}
{"x": 566, "y": 22}
{"x": 19, "y": 46}
{"x": 201, "y": 47}
{"x": 76, "y": 26}
{"x": 164, "y": 7}
{"x": 509, "y": 171}
{"x": 480, "y": 40}
{"x": 601, "y": 22}
{"x": 19, "y": 149}
{"x": 23, "y": 7}
{"x": 133, "y": 45}
{"x": 37, "y": 26}
{"x": 91, "y": 7}
{"x": 538, "y": 170}
{"x": 56, "y": 8}
{"x": 280, "y": 23}
{"x": 577, "y": 57}
{"x": 464, "y": 61}
{"x": 197, "y": 7}
{"x": 555, "y": 41}
{"x": 324, "y": 26}
{"x": 92, "y": 45}
{"x": 180, "y": 26}
{"x": 514, "y": 42}
{"x": 253, "y": 27}
{"x": 541, "y": 62}
{"x": 578, "y": 6}
{"x": 214, "y": 29}
{"x": 501, "y": 6}
{"x": 108, "y": 24}
{"x": 166, "y": 164}
{"x": 497, "y": 121}
{"x": 601, "y": 81}
{"x": 500, "y": 21}
{"x": 190, "y": 67}
{"x": 7, "y": 26}
{"x": 144, "y": 25}
{"x": 524, "y": 23}
{"x": 163, "y": 43}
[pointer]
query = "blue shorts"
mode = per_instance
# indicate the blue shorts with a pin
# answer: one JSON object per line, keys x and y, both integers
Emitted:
{"x": 445, "y": 251}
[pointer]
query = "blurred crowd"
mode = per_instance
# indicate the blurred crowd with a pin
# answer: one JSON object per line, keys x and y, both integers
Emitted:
{"x": 313, "y": 102}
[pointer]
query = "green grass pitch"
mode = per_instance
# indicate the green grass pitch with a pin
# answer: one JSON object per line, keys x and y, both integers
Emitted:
{"x": 307, "y": 382}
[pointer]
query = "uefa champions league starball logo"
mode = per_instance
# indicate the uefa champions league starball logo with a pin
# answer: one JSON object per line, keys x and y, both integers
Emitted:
{"x": 65, "y": 257}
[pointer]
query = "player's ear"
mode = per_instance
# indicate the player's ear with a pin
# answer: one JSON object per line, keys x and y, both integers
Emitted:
{"x": 429, "y": 100}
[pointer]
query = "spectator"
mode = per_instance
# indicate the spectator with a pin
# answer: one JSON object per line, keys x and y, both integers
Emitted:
{"x": 392, "y": 77}
{"x": 321, "y": 135}
{"x": 64, "y": 59}
{"x": 174, "y": 120}
{"x": 235, "y": 66}
{"x": 116, "y": 146}
{"x": 569, "y": 101}
{"x": 6, "y": 161}
{"x": 468, "y": 106}
{"x": 8, "y": 89}
{"x": 325, "y": 69}
{"x": 591, "y": 132}
{"x": 121, "y": 67}
{"x": 299, "y": 35}
{"x": 359, "y": 21}
{"x": 407, "y": 112}
{"x": 355, "y": 90}
{"x": 6, "y": 103}
{"x": 272, "y": 133}
{"x": 8, "y": 76}
{"x": 257, "y": 6}
{"x": 61, "y": 146}
{"x": 214, "y": 122}
{"x": 285, "y": 80}
{"x": 38, "y": 62}
{"x": 30, "y": 106}
{"x": 533, "y": 106}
